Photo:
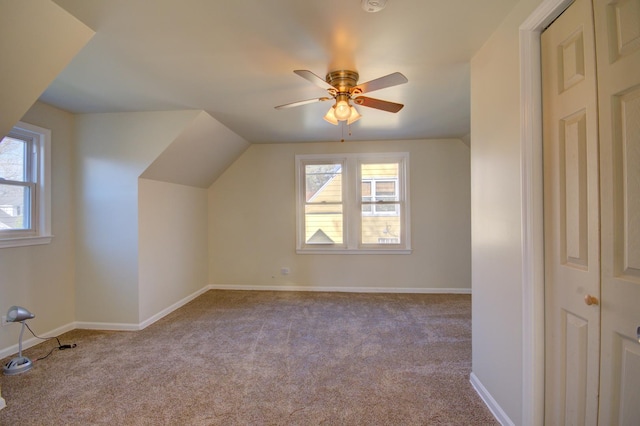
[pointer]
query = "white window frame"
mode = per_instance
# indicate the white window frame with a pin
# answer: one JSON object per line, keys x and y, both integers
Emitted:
{"x": 39, "y": 231}
{"x": 352, "y": 203}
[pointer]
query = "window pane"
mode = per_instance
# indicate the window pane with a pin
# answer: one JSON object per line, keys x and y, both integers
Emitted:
{"x": 323, "y": 183}
{"x": 379, "y": 171}
{"x": 323, "y": 224}
{"x": 12, "y": 159}
{"x": 381, "y": 229}
{"x": 366, "y": 190}
{"x": 387, "y": 188}
{"x": 387, "y": 208}
{"x": 13, "y": 200}
{"x": 379, "y": 184}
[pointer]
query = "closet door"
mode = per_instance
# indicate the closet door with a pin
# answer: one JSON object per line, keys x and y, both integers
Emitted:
{"x": 617, "y": 25}
{"x": 571, "y": 218}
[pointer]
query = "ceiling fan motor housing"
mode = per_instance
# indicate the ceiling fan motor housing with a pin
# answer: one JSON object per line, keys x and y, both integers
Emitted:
{"x": 343, "y": 80}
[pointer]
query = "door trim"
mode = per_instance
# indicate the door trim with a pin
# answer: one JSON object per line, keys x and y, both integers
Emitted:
{"x": 531, "y": 209}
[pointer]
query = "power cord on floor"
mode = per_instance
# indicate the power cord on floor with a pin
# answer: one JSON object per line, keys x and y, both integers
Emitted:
{"x": 60, "y": 347}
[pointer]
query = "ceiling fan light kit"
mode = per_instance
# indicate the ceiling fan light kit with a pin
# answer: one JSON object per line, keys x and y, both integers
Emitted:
{"x": 330, "y": 116}
{"x": 342, "y": 86}
{"x": 351, "y": 117}
{"x": 343, "y": 109}
{"x": 354, "y": 116}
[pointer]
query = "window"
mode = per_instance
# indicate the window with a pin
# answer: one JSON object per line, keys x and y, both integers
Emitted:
{"x": 353, "y": 203}
{"x": 25, "y": 186}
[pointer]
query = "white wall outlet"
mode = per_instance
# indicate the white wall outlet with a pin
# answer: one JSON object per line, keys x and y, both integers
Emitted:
{"x": 284, "y": 270}
{"x": 4, "y": 321}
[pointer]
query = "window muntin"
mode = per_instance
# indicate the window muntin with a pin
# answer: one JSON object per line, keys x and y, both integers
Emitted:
{"x": 14, "y": 158}
{"x": 25, "y": 186}
{"x": 370, "y": 214}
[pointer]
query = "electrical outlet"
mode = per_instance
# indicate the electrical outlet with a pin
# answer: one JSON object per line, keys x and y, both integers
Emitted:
{"x": 4, "y": 321}
{"x": 285, "y": 270}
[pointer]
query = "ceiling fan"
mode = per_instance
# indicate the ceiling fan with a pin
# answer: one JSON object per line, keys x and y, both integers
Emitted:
{"x": 342, "y": 85}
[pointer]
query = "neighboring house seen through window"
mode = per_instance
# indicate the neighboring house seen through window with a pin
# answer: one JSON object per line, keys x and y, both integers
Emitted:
{"x": 353, "y": 203}
{"x": 25, "y": 186}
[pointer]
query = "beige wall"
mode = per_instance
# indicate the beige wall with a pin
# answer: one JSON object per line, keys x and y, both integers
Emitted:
{"x": 112, "y": 151}
{"x": 252, "y": 222}
{"x": 41, "y": 278}
{"x": 496, "y": 214}
{"x": 172, "y": 244}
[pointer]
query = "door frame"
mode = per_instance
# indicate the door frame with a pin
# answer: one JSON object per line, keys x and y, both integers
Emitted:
{"x": 531, "y": 170}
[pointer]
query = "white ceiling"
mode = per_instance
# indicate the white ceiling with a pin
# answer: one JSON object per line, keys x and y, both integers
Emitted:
{"x": 235, "y": 60}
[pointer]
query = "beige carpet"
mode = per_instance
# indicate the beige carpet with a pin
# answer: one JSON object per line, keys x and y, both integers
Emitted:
{"x": 263, "y": 358}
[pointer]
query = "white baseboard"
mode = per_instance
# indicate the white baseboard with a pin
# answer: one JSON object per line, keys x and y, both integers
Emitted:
{"x": 26, "y": 344}
{"x": 491, "y": 403}
{"x": 172, "y": 308}
{"x": 341, "y": 289}
{"x": 108, "y": 326}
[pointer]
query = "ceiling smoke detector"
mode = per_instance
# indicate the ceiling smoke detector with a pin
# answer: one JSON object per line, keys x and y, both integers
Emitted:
{"x": 373, "y": 5}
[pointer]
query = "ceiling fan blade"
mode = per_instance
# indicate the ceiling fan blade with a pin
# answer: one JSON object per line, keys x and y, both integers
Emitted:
{"x": 299, "y": 103}
{"x": 309, "y": 76}
{"x": 378, "y": 104}
{"x": 380, "y": 83}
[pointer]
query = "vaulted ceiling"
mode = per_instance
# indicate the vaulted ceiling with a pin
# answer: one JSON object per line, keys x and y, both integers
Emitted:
{"x": 235, "y": 60}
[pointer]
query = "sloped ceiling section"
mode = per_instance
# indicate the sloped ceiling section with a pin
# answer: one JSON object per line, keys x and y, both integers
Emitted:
{"x": 39, "y": 39}
{"x": 202, "y": 151}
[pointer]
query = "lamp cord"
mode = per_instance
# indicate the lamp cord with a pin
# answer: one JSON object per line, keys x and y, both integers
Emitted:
{"x": 60, "y": 347}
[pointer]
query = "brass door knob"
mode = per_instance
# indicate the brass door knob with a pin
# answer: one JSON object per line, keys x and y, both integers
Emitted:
{"x": 590, "y": 300}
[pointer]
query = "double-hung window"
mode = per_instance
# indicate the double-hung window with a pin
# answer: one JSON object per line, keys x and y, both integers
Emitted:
{"x": 25, "y": 186}
{"x": 353, "y": 203}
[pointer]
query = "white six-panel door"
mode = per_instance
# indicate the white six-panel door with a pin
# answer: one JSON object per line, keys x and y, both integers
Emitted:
{"x": 591, "y": 120}
{"x": 571, "y": 218}
{"x": 617, "y": 26}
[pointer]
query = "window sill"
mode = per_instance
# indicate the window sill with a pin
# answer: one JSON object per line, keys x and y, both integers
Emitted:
{"x": 25, "y": 241}
{"x": 353, "y": 251}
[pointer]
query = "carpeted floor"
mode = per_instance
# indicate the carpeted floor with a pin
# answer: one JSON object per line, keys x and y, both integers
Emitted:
{"x": 263, "y": 358}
